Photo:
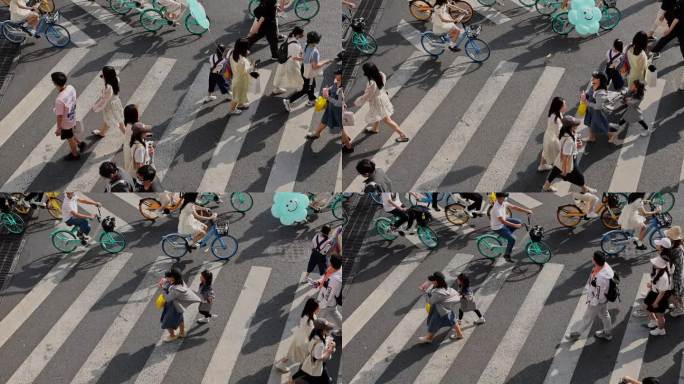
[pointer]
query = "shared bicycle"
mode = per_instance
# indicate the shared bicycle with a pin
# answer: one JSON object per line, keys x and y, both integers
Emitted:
{"x": 362, "y": 40}
{"x": 458, "y": 214}
{"x": 385, "y": 227}
{"x": 11, "y": 222}
{"x": 610, "y": 18}
{"x": 53, "y": 204}
{"x": 494, "y": 245}
{"x": 240, "y": 201}
{"x": 477, "y": 49}
{"x": 67, "y": 240}
{"x": 153, "y": 19}
{"x": 608, "y": 210}
{"x": 458, "y": 9}
{"x": 56, "y": 34}
{"x": 303, "y": 9}
{"x": 614, "y": 242}
{"x": 222, "y": 245}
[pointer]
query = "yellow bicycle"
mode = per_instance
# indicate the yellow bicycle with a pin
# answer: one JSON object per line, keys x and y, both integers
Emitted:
{"x": 53, "y": 204}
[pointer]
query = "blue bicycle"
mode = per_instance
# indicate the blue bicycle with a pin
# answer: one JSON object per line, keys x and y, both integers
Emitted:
{"x": 614, "y": 242}
{"x": 478, "y": 50}
{"x": 223, "y": 246}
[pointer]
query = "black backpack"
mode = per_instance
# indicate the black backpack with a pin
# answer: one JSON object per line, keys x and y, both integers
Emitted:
{"x": 613, "y": 293}
{"x": 282, "y": 51}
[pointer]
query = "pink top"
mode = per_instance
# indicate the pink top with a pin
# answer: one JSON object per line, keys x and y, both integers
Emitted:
{"x": 65, "y": 106}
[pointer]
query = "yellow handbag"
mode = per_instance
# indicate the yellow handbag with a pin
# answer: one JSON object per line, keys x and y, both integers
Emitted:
{"x": 582, "y": 109}
{"x": 160, "y": 301}
{"x": 427, "y": 307}
{"x": 320, "y": 104}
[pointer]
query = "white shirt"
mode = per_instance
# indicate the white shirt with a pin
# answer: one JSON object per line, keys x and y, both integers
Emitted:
{"x": 498, "y": 210}
{"x": 326, "y": 296}
{"x": 663, "y": 284}
{"x": 325, "y": 243}
{"x": 387, "y": 197}
{"x": 68, "y": 206}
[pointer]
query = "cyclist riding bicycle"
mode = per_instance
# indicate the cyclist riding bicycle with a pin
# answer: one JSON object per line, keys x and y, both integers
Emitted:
{"x": 392, "y": 204}
{"x": 72, "y": 217}
{"x": 189, "y": 219}
{"x": 442, "y": 23}
{"x": 633, "y": 217}
{"x": 475, "y": 208}
{"x": 503, "y": 225}
{"x": 19, "y": 11}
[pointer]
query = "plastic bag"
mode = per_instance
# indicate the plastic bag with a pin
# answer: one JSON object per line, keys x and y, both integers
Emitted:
{"x": 160, "y": 301}
{"x": 320, "y": 104}
{"x": 582, "y": 109}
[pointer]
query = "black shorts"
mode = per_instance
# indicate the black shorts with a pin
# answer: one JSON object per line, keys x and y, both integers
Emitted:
{"x": 66, "y": 134}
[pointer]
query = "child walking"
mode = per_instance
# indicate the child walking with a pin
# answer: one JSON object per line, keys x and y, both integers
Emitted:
{"x": 467, "y": 304}
{"x": 632, "y": 113}
{"x": 320, "y": 246}
{"x": 206, "y": 293}
{"x": 616, "y": 59}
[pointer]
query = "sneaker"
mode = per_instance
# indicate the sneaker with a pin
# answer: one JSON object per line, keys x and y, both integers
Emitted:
{"x": 651, "y": 38}
{"x": 203, "y": 320}
{"x": 424, "y": 340}
{"x": 590, "y": 190}
{"x": 38, "y": 204}
{"x": 171, "y": 338}
{"x": 310, "y": 103}
{"x": 657, "y": 332}
{"x": 508, "y": 258}
{"x": 603, "y": 335}
{"x": 647, "y": 132}
{"x": 545, "y": 167}
{"x": 572, "y": 336}
{"x": 71, "y": 157}
{"x": 454, "y": 336}
{"x": 282, "y": 367}
{"x": 235, "y": 112}
{"x": 480, "y": 321}
{"x": 655, "y": 55}
{"x": 286, "y": 103}
{"x": 278, "y": 91}
{"x": 454, "y": 49}
{"x": 81, "y": 146}
{"x": 652, "y": 324}
{"x": 640, "y": 246}
{"x": 592, "y": 215}
{"x": 209, "y": 98}
{"x": 640, "y": 313}
{"x": 677, "y": 312}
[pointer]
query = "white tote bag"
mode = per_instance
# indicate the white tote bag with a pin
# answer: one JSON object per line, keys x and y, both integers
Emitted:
{"x": 651, "y": 77}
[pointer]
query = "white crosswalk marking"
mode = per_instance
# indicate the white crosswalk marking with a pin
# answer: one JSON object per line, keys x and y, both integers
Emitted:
{"x": 443, "y": 358}
{"x": 489, "y": 13}
{"x": 226, "y": 353}
{"x": 402, "y": 333}
{"x": 501, "y": 166}
{"x": 371, "y": 305}
{"x": 464, "y": 130}
{"x": 78, "y": 37}
{"x": 106, "y": 148}
{"x": 35, "y": 97}
{"x": 525, "y": 200}
{"x": 60, "y": 331}
{"x": 43, "y": 153}
{"x": 633, "y": 150}
{"x": 223, "y": 160}
{"x": 519, "y": 329}
{"x": 633, "y": 345}
{"x": 104, "y": 16}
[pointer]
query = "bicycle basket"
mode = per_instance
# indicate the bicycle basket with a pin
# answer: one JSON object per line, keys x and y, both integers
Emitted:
{"x": 358, "y": 24}
{"x": 536, "y": 233}
{"x": 108, "y": 224}
{"x": 664, "y": 220}
{"x": 612, "y": 200}
{"x": 222, "y": 227}
{"x": 473, "y": 31}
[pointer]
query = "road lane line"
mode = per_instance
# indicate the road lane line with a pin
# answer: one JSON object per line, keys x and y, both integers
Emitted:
{"x": 107, "y": 147}
{"x": 43, "y": 153}
{"x": 633, "y": 150}
{"x": 233, "y": 337}
{"x": 489, "y": 13}
{"x": 633, "y": 345}
{"x": 525, "y": 200}
{"x": 59, "y": 333}
{"x": 402, "y": 333}
{"x": 505, "y": 159}
{"x": 225, "y": 156}
{"x": 509, "y": 347}
{"x": 443, "y": 358}
{"x": 464, "y": 130}
{"x": 104, "y": 16}
{"x": 78, "y": 37}
{"x": 38, "y": 93}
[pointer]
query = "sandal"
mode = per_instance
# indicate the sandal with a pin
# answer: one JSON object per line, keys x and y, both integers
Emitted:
{"x": 401, "y": 139}
{"x": 370, "y": 131}
{"x": 98, "y": 133}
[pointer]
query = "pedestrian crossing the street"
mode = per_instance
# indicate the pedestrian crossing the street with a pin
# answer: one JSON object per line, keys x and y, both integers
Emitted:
{"x": 477, "y": 153}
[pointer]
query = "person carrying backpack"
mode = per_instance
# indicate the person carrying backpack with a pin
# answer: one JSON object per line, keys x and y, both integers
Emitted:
{"x": 598, "y": 295}
{"x": 288, "y": 74}
{"x": 217, "y": 63}
{"x": 320, "y": 245}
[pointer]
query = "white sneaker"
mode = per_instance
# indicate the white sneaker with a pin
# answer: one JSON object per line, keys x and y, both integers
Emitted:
{"x": 282, "y": 367}
{"x": 39, "y": 204}
{"x": 203, "y": 320}
{"x": 603, "y": 335}
{"x": 210, "y": 98}
{"x": 592, "y": 215}
{"x": 677, "y": 312}
{"x": 647, "y": 132}
{"x": 652, "y": 324}
{"x": 286, "y": 103}
{"x": 545, "y": 167}
{"x": 658, "y": 332}
{"x": 235, "y": 112}
{"x": 479, "y": 321}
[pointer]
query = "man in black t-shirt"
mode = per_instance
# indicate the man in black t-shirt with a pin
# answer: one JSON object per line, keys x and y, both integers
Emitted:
{"x": 674, "y": 15}
{"x": 266, "y": 17}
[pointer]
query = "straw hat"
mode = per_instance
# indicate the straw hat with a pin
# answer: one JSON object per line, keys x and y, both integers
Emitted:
{"x": 663, "y": 243}
{"x": 674, "y": 233}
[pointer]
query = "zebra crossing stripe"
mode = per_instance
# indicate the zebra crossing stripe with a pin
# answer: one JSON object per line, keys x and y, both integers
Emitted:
{"x": 107, "y": 147}
{"x": 633, "y": 150}
{"x": 402, "y": 333}
{"x": 59, "y": 333}
{"x": 443, "y": 358}
{"x": 217, "y": 174}
{"x": 509, "y": 347}
{"x": 501, "y": 166}
{"x": 464, "y": 130}
{"x": 633, "y": 345}
{"x": 35, "y": 97}
{"x": 43, "y": 153}
{"x": 489, "y": 13}
{"x": 78, "y": 37}
{"x": 525, "y": 200}
{"x": 104, "y": 16}
{"x": 233, "y": 337}
{"x": 353, "y": 324}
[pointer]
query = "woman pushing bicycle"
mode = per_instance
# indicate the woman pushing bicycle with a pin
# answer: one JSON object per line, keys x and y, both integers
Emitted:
{"x": 442, "y": 23}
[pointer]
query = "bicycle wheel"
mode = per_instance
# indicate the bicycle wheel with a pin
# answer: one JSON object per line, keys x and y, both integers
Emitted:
{"x": 539, "y": 252}
{"x": 19, "y": 206}
{"x": 241, "y": 201}
{"x": 57, "y": 35}
{"x": 383, "y": 228}
{"x": 487, "y": 3}
{"x": 610, "y": 18}
{"x": 614, "y": 242}
{"x": 420, "y": 9}
{"x": 560, "y": 24}
{"x": 477, "y": 50}
{"x": 546, "y": 7}
{"x": 306, "y": 9}
{"x": 432, "y": 44}
{"x": 54, "y": 207}
{"x": 152, "y": 20}
{"x": 112, "y": 242}
{"x": 365, "y": 43}
{"x": 427, "y": 236}
{"x": 490, "y": 246}
{"x": 456, "y": 214}
{"x": 65, "y": 241}
{"x": 569, "y": 215}
{"x": 656, "y": 234}
{"x": 193, "y": 27}
{"x": 47, "y": 6}
{"x": 149, "y": 207}
{"x": 528, "y": 3}
{"x": 664, "y": 200}
{"x": 338, "y": 210}
{"x": 204, "y": 198}
{"x": 224, "y": 247}
{"x": 13, "y": 222}
{"x": 252, "y": 6}
{"x": 13, "y": 33}
{"x": 120, "y": 7}
{"x": 460, "y": 7}
{"x": 175, "y": 246}
{"x": 610, "y": 217}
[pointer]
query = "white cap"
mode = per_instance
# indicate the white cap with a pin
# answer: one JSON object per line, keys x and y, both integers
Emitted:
{"x": 664, "y": 243}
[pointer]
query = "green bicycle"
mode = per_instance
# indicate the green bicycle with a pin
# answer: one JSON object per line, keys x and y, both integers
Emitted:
{"x": 361, "y": 39}
{"x": 384, "y": 225}
{"x": 66, "y": 240}
{"x": 304, "y": 9}
{"x": 610, "y": 18}
{"x": 240, "y": 201}
{"x": 153, "y": 19}
{"x": 320, "y": 201}
{"x": 11, "y": 222}
{"x": 492, "y": 246}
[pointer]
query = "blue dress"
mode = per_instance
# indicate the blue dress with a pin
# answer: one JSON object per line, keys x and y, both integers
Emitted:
{"x": 595, "y": 118}
{"x": 332, "y": 117}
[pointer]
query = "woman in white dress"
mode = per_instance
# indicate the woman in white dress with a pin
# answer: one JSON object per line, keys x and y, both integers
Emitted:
{"x": 381, "y": 108}
{"x": 551, "y": 144}
{"x": 298, "y": 348}
{"x": 131, "y": 117}
{"x": 633, "y": 217}
{"x": 189, "y": 219}
{"x": 288, "y": 75}
{"x": 19, "y": 11}
{"x": 109, "y": 103}
{"x": 442, "y": 23}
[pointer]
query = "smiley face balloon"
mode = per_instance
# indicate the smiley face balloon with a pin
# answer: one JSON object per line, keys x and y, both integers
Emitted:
{"x": 585, "y": 16}
{"x": 290, "y": 207}
{"x": 197, "y": 12}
